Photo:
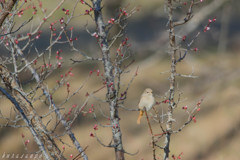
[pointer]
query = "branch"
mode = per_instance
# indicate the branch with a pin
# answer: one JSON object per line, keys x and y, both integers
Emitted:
{"x": 80, "y": 153}
{"x": 151, "y": 131}
{"x": 23, "y": 24}
{"x": 201, "y": 15}
{"x": 43, "y": 21}
{"x": 56, "y": 109}
{"x": 104, "y": 145}
{"x": 187, "y": 17}
{"x": 31, "y": 128}
{"x": 6, "y": 12}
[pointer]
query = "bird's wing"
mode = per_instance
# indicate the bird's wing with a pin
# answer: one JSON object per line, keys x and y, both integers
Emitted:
{"x": 143, "y": 102}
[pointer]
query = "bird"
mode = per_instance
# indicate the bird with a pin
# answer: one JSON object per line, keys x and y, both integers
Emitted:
{"x": 147, "y": 101}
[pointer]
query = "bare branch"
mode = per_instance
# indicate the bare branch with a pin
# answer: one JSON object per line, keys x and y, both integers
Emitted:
{"x": 7, "y": 10}
{"x": 31, "y": 128}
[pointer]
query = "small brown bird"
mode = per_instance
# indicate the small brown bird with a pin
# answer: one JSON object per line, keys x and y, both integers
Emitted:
{"x": 147, "y": 101}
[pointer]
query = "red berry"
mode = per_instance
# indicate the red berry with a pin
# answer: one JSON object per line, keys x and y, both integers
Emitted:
{"x": 184, "y": 107}
{"x": 91, "y": 134}
{"x": 184, "y": 38}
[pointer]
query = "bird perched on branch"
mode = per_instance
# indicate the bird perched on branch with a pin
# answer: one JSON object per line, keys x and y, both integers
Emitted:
{"x": 147, "y": 101}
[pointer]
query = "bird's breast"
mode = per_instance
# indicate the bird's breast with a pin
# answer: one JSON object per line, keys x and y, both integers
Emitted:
{"x": 147, "y": 102}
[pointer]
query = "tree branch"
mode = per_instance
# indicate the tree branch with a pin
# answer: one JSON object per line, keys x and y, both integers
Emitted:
{"x": 7, "y": 10}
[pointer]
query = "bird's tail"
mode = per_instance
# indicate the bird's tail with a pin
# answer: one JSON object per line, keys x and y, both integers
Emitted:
{"x": 140, "y": 116}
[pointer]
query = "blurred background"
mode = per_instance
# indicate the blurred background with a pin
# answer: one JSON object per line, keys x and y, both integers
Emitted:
{"x": 215, "y": 135}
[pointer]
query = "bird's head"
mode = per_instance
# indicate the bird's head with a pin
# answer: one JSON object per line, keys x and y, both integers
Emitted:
{"x": 148, "y": 91}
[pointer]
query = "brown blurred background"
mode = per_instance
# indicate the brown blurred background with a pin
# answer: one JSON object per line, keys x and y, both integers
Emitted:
{"x": 215, "y": 135}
